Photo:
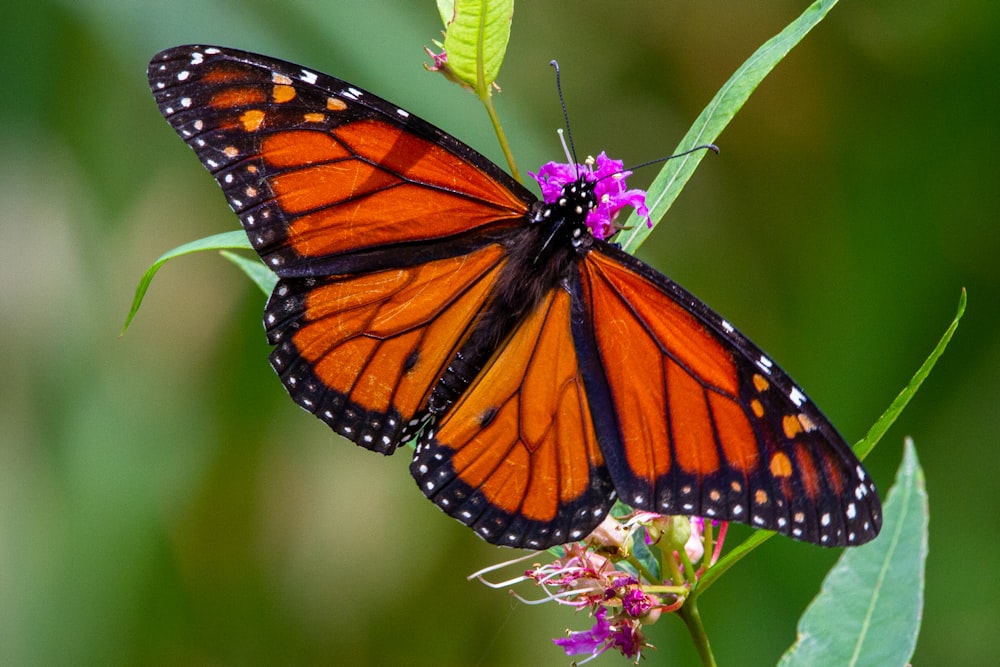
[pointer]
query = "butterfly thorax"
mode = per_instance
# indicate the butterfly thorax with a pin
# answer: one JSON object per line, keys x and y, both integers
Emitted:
{"x": 541, "y": 257}
{"x": 564, "y": 220}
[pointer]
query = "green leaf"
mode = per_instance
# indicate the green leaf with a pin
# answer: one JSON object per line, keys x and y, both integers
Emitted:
{"x": 715, "y": 117}
{"x": 262, "y": 276}
{"x": 868, "y": 610}
{"x": 446, "y": 8}
{"x": 226, "y": 241}
{"x": 888, "y": 417}
{"x": 476, "y": 40}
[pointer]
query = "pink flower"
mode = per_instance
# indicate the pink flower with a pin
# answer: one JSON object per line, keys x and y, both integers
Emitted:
{"x": 593, "y": 641}
{"x": 636, "y": 603}
{"x": 440, "y": 60}
{"x": 440, "y": 64}
{"x": 622, "y": 634}
{"x": 612, "y": 196}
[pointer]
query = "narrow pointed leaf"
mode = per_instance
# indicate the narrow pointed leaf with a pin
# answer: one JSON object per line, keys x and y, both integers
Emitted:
{"x": 262, "y": 276}
{"x": 236, "y": 240}
{"x": 888, "y": 417}
{"x": 715, "y": 117}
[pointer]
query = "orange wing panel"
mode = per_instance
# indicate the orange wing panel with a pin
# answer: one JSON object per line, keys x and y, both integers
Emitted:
{"x": 329, "y": 185}
{"x": 520, "y": 441}
{"x": 294, "y": 148}
{"x": 417, "y": 159}
{"x": 634, "y": 401}
{"x": 377, "y": 343}
{"x": 739, "y": 443}
{"x": 691, "y": 422}
{"x": 673, "y": 385}
{"x": 807, "y": 470}
{"x": 397, "y": 214}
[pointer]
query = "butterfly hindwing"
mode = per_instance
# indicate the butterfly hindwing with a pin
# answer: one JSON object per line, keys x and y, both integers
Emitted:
{"x": 516, "y": 458}
{"x": 731, "y": 436}
{"x": 362, "y": 351}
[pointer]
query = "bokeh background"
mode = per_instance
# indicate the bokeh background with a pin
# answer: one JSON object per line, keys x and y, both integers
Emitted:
{"x": 162, "y": 502}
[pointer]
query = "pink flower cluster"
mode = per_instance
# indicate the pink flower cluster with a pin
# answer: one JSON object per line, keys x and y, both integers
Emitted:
{"x": 612, "y": 196}
{"x": 622, "y": 590}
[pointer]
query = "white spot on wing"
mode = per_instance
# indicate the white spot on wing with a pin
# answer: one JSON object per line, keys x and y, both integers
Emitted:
{"x": 798, "y": 398}
{"x": 765, "y": 364}
{"x": 309, "y": 77}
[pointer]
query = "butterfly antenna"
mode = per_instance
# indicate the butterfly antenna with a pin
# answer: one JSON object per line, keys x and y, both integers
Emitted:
{"x": 703, "y": 147}
{"x": 562, "y": 102}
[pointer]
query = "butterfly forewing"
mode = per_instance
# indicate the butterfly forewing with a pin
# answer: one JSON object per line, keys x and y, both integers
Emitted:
{"x": 384, "y": 228}
{"x": 318, "y": 169}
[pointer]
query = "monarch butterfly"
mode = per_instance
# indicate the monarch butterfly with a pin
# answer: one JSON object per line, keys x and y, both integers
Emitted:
{"x": 424, "y": 293}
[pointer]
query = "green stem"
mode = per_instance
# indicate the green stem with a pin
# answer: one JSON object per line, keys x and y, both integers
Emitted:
{"x": 640, "y": 568}
{"x": 692, "y": 619}
{"x": 743, "y": 549}
{"x": 487, "y": 100}
{"x": 486, "y": 97}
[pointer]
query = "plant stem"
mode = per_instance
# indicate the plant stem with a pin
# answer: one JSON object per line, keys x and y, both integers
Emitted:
{"x": 487, "y": 99}
{"x": 692, "y": 619}
{"x": 485, "y": 96}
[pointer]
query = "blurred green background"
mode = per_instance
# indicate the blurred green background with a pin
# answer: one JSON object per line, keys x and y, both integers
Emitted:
{"x": 162, "y": 502}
